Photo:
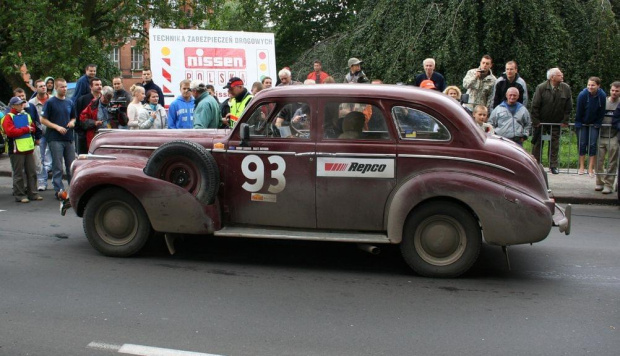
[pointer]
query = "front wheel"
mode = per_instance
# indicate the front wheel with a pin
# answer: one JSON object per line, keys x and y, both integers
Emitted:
{"x": 115, "y": 223}
{"x": 441, "y": 239}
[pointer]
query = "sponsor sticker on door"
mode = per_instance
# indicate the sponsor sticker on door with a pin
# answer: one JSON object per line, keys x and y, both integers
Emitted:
{"x": 355, "y": 167}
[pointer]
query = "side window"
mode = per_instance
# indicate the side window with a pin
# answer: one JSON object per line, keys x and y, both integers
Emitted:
{"x": 287, "y": 120}
{"x": 416, "y": 124}
{"x": 351, "y": 121}
{"x": 258, "y": 120}
{"x": 293, "y": 121}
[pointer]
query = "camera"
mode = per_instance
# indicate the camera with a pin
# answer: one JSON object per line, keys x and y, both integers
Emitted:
{"x": 118, "y": 105}
{"x": 117, "y": 112}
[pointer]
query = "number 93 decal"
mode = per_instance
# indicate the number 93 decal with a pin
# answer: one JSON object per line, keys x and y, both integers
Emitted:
{"x": 254, "y": 170}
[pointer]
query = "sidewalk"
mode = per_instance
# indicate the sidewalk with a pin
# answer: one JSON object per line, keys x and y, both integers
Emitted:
{"x": 566, "y": 187}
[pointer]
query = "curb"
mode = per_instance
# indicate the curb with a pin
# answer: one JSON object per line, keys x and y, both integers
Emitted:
{"x": 587, "y": 201}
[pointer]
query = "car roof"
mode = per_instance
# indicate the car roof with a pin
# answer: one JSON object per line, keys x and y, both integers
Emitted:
{"x": 383, "y": 91}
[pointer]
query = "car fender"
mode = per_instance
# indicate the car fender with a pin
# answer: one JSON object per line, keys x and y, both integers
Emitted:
{"x": 507, "y": 216}
{"x": 169, "y": 207}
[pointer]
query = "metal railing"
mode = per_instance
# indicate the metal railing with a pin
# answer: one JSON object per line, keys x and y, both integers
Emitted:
{"x": 568, "y": 152}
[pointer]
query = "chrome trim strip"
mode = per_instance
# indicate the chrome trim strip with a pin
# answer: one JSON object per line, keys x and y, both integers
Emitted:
{"x": 256, "y": 152}
{"x": 302, "y": 154}
{"x": 474, "y": 161}
{"x": 95, "y": 157}
{"x": 121, "y": 147}
{"x": 305, "y": 235}
{"x": 340, "y": 154}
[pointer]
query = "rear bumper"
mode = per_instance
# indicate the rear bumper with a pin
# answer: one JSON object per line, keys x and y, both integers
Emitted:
{"x": 562, "y": 218}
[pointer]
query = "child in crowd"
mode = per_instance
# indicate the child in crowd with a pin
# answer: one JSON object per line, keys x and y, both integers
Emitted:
{"x": 481, "y": 115}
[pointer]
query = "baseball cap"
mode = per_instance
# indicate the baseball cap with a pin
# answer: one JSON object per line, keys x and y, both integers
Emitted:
{"x": 427, "y": 84}
{"x": 15, "y": 101}
{"x": 234, "y": 82}
{"x": 353, "y": 61}
{"x": 196, "y": 83}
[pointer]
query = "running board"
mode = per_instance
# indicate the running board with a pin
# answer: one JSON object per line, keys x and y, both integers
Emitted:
{"x": 306, "y": 235}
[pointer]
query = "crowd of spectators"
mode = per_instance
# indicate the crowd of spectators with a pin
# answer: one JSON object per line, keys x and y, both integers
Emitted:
{"x": 60, "y": 127}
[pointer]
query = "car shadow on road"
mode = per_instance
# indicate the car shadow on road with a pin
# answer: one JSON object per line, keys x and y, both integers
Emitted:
{"x": 310, "y": 255}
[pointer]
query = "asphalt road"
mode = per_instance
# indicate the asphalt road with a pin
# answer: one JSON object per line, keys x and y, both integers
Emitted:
{"x": 58, "y": 296}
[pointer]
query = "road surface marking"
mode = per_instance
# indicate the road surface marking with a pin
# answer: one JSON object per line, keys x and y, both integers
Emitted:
{"x": 141, "y": 350}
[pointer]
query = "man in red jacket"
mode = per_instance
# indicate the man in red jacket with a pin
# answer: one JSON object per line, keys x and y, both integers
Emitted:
{"x": 19, "y": 129}
{"x": 96, "y": 115}
{"x": 318, "y": 75}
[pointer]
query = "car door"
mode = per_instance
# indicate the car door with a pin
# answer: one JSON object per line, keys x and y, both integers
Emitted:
{"x": 271, "y": 181}
{"x": 356, "y": 165}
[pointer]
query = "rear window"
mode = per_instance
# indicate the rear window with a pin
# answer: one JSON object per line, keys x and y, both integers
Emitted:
{"x": 417, "y": 125}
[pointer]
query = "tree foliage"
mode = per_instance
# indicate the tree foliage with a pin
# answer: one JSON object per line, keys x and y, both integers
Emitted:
{"x": 394, "y": 37}
{"x": 59, "y": 38}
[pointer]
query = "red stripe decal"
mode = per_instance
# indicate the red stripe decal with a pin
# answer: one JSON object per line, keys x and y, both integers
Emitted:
{"x": 166, "y": 75}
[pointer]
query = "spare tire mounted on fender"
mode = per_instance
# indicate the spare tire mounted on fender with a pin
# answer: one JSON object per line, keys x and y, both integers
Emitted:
{"x": 188, "y": 165}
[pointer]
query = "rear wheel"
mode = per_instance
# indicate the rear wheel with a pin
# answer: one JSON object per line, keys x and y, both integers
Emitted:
{"x": 115, "y": 223}
{"x": 441, "y": 239}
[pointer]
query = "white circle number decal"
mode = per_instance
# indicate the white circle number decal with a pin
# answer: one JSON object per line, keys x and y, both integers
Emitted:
{"x": 254, "y": 170}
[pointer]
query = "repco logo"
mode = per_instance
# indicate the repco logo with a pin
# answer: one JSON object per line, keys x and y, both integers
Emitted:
{"x": 363, "y": 168}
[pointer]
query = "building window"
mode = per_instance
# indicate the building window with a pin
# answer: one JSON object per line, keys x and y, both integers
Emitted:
{"x": 115, "y": 57}
{"x": 137, "y": 58}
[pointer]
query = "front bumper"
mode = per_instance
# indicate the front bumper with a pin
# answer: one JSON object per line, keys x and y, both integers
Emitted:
{"x": 562, "y": 218}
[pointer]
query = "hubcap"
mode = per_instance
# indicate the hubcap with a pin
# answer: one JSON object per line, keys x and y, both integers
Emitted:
{"x": 440, "y": 240}
{"x": 183, "y": 173}
{"x": 116, "y": 223}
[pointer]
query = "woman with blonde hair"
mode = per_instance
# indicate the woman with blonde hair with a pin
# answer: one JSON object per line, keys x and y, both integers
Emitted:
{"x": 135, "y": 108}
{"x": 454, "y": 92}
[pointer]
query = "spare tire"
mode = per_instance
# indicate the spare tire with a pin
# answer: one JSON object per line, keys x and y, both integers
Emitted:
{"x": 188, "y": 165}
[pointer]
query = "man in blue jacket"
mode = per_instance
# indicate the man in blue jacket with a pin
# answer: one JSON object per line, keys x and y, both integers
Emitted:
{"x": 181, "y": 111}
{"x": 82, "y": 87}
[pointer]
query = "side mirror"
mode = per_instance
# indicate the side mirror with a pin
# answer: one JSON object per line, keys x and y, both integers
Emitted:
{"x": 244, "y": 133}
{"x": 464, "y": 98}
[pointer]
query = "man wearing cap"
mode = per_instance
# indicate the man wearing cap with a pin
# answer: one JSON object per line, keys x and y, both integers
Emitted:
{"x": 207, "y": 111}
{"x": 59, "y": 117}
{"x": 181, "y": 111}
{"x": 355, "y": 75}
{"x": 427, "y": 84}
{"x": 19, "y": 129}
{"x": 439, "y": 83}
{"x": 318, "y": 75}
{"x": 239, "y": 100}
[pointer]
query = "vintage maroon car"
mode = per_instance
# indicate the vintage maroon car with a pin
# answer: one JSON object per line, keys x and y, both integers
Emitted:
{"x": 369, "y": 164}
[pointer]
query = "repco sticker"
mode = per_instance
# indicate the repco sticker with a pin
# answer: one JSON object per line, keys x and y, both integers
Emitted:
{"x": 355, "y": 167}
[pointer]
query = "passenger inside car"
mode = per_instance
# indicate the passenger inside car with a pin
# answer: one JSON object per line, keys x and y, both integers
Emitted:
{"x": 352, "y": 125}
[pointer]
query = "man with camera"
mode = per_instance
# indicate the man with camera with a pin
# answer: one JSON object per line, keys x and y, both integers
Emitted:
{"x": 97, "y": 114}
{"x": 81, "y": 103}
{"x": 479, "y": 83}
{"x": 120, "y": 100}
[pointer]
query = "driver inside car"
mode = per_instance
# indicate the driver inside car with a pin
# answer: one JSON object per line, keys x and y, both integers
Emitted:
{"x": 293, "y": 120}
